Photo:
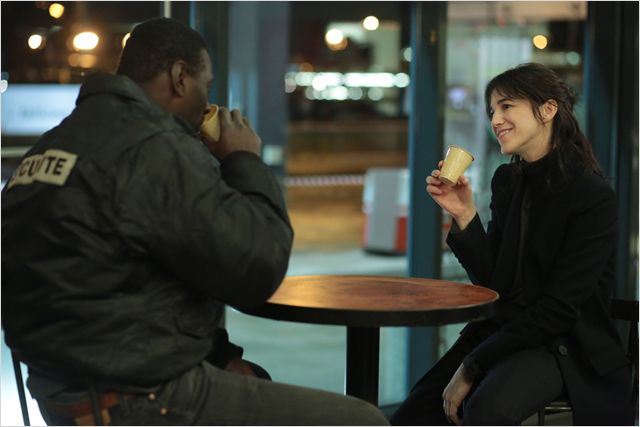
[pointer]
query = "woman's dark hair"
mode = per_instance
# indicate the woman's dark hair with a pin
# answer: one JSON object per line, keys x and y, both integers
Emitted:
{"x": 155, "y": 44}
{"x": 539, "y": 84}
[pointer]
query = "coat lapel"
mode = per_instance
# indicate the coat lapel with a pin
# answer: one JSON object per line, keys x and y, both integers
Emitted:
{"x": 505, "y": 268}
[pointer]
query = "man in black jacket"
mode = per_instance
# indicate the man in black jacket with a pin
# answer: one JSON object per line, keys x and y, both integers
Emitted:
{"x": 124, "y": 238}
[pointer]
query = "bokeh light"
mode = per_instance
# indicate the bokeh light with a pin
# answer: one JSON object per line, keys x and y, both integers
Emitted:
{"x": 36, "y": 41}
{"x": 86, "y": 40}
{"x": 370, "y": 23}
{"x": 407, "y": 54}
{"x": 573, "y": 58}
{"x": 334, "y": 37}
{"x": 540, "y": 41}
{"x": 82, "y": 60}
{"x": 56, "y": 10}
{"x": 336, "y": 40}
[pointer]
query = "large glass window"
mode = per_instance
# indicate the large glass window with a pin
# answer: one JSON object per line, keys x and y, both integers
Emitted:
{"x": 483, "y": 40}
{"x": 346, "y": 79}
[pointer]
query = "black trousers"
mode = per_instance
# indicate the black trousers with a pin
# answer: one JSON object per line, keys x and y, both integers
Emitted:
{"x": 509, "y": 393}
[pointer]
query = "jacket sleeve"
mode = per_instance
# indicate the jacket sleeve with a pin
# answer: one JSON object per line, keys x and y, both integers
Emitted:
{"x": 589, "y": 244}
{"x": 474, "y": 248}
{"x": 222, "y": 229}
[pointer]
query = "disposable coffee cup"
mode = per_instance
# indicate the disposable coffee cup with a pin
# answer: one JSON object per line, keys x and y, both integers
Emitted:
{"x": 455, "y": 163}
{"x": 211, "y": 125}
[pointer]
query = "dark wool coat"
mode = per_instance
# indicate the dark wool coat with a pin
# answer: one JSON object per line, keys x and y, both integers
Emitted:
{"x": 568, "y": 264}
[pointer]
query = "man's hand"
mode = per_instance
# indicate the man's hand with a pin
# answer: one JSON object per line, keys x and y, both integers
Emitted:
{"x": 454, "y": 393}
{"x": 236, "y": 134}
{"x": 239, "y": 366}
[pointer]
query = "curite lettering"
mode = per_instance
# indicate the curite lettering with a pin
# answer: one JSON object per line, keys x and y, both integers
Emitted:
{"x": 59, "y": 165}
{"x": 51, "y": 167}
{"x": 35, "y": 166}
{"x": 50, "y": 160}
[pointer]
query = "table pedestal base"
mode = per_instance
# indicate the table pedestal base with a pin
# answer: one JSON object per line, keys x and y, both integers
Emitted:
{"x": 363, "y": 346}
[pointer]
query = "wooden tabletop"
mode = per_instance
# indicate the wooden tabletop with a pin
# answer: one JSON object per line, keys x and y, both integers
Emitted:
{"x": 368, "y": 301}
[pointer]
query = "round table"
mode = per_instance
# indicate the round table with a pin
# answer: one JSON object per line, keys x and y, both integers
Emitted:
{"x": 365, "y": 303}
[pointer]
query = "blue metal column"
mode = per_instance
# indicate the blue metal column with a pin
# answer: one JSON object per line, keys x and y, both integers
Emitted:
{"x": 611, "y": 96}
{"x": 627, "y": 170}
{"x": 258, "y": 58}
{"x": 601, "y": 70}
{"x": 426, "y": 132}
{"x": 211, "y": 19}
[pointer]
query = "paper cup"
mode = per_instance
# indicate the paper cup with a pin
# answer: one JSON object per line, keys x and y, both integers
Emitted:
{"x": 455, "y": 163}
{"x": 211, "y": 125}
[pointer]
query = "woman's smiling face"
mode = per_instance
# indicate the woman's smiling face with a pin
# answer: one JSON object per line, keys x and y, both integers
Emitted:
{"x": 517, "y": 129}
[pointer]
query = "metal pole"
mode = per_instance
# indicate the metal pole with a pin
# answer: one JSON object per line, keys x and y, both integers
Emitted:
{"x": 363, "y": 355}
{"x": 426, "y": 130}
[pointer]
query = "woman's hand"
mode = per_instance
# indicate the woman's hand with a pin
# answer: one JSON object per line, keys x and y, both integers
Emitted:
{"x": 454, "y": 393}
{"x": 457, "y": 200}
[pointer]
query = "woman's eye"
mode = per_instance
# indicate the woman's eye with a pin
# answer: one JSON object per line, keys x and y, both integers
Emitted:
{"x": 506, "y": 106}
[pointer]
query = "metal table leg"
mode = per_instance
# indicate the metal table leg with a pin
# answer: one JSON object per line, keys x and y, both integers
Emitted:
{"x": 363, "y": 347}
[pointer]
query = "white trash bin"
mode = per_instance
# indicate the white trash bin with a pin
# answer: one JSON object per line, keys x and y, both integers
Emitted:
{"x": 385, "y": 202}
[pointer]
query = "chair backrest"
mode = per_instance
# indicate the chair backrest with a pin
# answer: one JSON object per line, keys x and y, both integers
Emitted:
{"x": 628, "y": 310}
{"x": 93, "y": 395}
{"x": 20, "y": 384}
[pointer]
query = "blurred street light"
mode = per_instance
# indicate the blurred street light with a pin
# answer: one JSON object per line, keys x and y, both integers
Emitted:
{"x": 36, "y": 41}
{"x": 56, "y": 10}
{"x": 87, "y": 40}
{"x": 370, "y": 23}
{"x": 540, "y": 41}
{"x": 406, "y": 54}
{"x": 334, "y": 37}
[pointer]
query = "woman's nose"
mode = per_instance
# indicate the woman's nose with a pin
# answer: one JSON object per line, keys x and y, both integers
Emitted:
{"x": 496, "y": 119}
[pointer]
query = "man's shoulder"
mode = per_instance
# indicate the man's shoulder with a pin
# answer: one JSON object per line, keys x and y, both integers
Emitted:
{"x": 121, "y": 111}
{"x": 121, "y": 101}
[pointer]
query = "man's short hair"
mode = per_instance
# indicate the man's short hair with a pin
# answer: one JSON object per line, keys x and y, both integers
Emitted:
{"x": 155, "y": 44}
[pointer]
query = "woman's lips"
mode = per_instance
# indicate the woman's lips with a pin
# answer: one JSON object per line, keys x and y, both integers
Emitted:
{"x": 502, "y": 132}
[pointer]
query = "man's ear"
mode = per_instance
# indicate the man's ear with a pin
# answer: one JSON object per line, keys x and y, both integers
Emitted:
{"x": 178, "y": 73}
{"x": 548, "y": 110}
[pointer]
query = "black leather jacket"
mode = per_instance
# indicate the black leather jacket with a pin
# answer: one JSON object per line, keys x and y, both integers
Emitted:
{"x": 122, "y": 238}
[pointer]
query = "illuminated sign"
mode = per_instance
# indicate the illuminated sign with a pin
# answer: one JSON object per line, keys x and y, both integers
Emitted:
{"x": 31, "y": 110}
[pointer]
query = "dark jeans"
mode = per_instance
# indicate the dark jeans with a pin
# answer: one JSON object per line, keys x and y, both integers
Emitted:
{"x": 206, "y": 395}
{"x": 509, "y": 393}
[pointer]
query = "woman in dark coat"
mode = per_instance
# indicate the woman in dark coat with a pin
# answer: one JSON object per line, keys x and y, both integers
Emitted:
{"x": 549, "y": 250}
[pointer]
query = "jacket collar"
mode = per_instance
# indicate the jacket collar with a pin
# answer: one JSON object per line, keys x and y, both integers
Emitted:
{"x": 100, "y": 83}
{"x": 116, "y": 84}
{"x": 537, "y": 173}
{"x": 546, "y": 175}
